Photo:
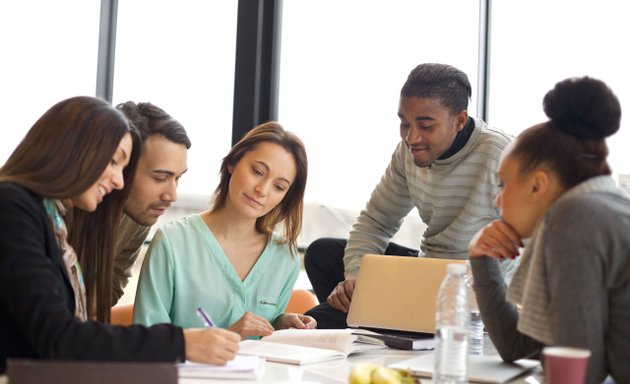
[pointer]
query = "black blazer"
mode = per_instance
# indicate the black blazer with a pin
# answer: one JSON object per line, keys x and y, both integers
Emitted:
{"x": 37, "y": 301}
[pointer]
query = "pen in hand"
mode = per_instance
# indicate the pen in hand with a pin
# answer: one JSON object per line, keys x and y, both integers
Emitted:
{"x": 206, "y": 318}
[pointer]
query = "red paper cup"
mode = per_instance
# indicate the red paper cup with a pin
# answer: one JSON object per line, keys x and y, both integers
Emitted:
{"x": 564, "y": 365}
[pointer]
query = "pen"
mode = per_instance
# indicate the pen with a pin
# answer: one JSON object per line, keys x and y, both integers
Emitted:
{"x": 206, "y": 318}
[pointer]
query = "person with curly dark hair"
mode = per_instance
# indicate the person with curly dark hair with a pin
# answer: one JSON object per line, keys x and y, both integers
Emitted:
{"x": 572, "y": 287}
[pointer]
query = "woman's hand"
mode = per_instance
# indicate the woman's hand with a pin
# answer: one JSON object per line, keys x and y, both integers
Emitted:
{"x": 251, "y": 324}
{"x": 497, "y": 239}
{"x": 294, "y": 320}
{"x": 211, "y": 345}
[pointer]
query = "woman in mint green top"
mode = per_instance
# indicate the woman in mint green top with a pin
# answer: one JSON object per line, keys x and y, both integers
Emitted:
{"x": 186, "y": 268}
{"x": 228, "y": 260}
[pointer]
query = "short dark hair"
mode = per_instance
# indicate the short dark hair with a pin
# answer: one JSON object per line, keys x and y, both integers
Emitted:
{"x": 443, "y": 82}
{"x": 583, "y": 112}
{"x": 150, "y": 120}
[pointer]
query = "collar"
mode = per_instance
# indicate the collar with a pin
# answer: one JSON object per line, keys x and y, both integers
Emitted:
{"x": 460, "y": 140}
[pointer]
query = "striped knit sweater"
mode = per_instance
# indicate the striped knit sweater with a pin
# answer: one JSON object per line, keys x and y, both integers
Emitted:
{"x": 454, "y": 197}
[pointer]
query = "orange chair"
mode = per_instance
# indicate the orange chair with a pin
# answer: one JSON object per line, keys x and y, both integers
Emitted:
{"x": 121, "y": 314}
{"x": 301, "y": 301}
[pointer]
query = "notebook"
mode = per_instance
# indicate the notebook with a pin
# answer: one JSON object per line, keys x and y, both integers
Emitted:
{"x": 395, "y": 295}
{"x": 242, "y": 367}
{"x": 481, "y": 369}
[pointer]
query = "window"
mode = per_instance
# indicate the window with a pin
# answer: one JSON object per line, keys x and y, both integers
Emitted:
{"x": 48, "y": 54}
{"x": 342, "y": 66}
{"x": 179, "y": 55}
{"x": 537, "y": 43}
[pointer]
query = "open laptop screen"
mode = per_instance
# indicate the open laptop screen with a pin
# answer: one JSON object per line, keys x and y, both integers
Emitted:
{"x": 397, "y": 293}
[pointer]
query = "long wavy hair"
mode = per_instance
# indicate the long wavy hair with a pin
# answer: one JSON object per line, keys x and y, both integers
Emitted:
{"x": 61, "y": 156}
{"x": 289, "y": 211}
{"x": 93, "y": 236}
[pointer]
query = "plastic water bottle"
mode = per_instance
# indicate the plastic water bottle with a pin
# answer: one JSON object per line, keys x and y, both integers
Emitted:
{"x": 452, "y": 319}
{"x": 475, "y": 340}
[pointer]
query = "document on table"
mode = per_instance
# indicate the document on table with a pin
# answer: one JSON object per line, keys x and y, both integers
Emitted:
{"x": 242, "y": 367}
{"x": 304, "y": 346}
{"x": 481, "y": 369}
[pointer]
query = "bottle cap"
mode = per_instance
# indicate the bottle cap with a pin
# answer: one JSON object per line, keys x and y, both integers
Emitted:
{"x": 457, "y": 269}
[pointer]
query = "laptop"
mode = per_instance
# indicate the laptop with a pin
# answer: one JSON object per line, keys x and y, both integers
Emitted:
{"x": 395, "y": 296}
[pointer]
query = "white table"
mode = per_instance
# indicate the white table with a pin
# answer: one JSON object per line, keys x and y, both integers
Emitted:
{"x": 337, "y": 371}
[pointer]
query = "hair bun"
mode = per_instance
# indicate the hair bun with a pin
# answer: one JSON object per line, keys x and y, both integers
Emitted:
{"x": 583, "y": 107}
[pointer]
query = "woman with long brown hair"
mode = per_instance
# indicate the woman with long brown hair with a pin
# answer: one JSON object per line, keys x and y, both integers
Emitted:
{"x": 228, "y": 260}
{"x": 73, "y": 159}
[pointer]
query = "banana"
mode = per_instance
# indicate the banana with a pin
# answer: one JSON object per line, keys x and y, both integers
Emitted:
{"x": 362, "y": 373}
{"x": 407, "y": 378}
{"x": 384, "y": 375}
{"x": 369, "y": 373}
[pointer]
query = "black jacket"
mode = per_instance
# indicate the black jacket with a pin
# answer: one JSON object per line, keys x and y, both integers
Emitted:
{"x": 37, "y": 301}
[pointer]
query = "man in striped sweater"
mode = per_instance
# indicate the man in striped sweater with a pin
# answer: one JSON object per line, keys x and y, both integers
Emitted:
{"x": 444, "y": 166}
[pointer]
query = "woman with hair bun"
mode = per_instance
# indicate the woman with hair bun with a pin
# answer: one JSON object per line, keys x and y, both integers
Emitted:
{"x": 572, "y": 287}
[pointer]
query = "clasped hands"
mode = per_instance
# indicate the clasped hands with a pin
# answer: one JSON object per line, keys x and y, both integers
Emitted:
{"x": 251, "y": 324}
{"x": 218, "y": 346}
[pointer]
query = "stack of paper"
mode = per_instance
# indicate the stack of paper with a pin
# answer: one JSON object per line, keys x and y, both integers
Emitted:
{"x": 242, "y": 367}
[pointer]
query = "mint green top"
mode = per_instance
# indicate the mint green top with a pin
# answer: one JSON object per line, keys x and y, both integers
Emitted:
{"x": 185, "y": 268}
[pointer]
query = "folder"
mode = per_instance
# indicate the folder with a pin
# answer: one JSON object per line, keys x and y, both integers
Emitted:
{"x": 24, "y": 371}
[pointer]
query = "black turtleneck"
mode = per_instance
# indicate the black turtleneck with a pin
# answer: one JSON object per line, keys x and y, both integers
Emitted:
{"x": 460, "y": 140}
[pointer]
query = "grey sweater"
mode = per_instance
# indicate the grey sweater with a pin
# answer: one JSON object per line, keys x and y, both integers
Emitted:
{"x": 454, "y": 197}
{"x": 586, "y": 250}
